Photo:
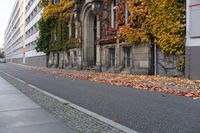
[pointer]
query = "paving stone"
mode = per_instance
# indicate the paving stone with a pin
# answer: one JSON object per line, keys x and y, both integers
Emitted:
{"x": 16, "y": 102}
{"x": 19, "y": 114}
{"x": 41, "y": 128}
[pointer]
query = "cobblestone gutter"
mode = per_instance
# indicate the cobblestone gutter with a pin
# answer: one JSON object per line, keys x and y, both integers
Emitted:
{"x": 70, "y": 114}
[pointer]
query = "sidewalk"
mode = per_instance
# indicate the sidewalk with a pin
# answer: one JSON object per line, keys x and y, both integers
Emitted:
{"x": 19, "y": 114}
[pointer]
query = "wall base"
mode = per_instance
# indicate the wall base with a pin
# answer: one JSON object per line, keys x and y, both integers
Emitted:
{"x": 192, "y": 65}
{"x": 39, "y": 61}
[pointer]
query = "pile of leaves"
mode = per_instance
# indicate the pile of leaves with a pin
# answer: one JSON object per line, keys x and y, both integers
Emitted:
{"x": 169, "y": 85}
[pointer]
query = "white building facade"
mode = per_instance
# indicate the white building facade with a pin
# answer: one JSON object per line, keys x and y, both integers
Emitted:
{"x": 192, "y": 69}
{"x": 20, "y": 46}
{"x": 14, "y": 34}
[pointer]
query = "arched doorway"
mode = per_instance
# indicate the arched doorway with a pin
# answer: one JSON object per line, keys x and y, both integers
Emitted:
{"x": 89, "y": 36}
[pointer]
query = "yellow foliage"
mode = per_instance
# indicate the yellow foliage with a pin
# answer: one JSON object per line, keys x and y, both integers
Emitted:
{"x": 164, "y": 20}
{"x": 53, "y": 11}
{"x": 135, "y": 30}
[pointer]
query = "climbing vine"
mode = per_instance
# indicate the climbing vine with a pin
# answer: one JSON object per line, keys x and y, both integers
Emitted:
{"x": 54, "y": 11}
{"x": 136, "y": 30}
{"x": 120, "y": 13}
{"x": 44, "y": 36}
{"x": 162, "y": 20}
{"x": 56, "y": 18}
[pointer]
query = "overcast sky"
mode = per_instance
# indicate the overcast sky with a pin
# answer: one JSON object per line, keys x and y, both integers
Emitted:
{"x": 5, "y": 12}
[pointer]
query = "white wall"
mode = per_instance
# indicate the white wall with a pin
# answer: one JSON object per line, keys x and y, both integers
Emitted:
{"x": 14, "y": 33}
{"x": 32, "y": 52}
{"x": 193, "y": 14}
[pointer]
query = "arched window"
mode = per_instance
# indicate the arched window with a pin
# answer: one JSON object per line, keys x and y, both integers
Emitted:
{"x": 113, "y": 13}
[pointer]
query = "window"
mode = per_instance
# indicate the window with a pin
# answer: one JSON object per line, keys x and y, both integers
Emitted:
{"x": 112, "y": 56}
{"x": 56, "y": 1}
{"x": 70, "y": 30}
{"x": 113, "y": 13}
{"x": 194, "y": 19}
{"x": 127, "y": 56}
{"x": 126, "y": 13}
{"x": 75, "y": 57}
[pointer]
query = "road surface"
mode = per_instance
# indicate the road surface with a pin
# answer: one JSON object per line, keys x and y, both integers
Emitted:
{"x": 140, "y": 110}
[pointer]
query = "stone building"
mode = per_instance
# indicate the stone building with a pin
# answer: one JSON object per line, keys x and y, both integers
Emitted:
{"x": 95, "y": 28}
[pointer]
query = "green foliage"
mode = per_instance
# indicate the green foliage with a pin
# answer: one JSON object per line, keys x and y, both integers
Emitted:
{"x": 53, "y": 12}
{"x": 42, "y": 3}
{"x": 54, "y": 30}
{"x": 72, "y": 42}
{"x": 43, "y": 40}
{"x": 59, "y": 32}
{"x": 181, "y": 65}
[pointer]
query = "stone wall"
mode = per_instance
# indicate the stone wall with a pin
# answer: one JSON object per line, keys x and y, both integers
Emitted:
{"x": 192, "y": 62}
{"x": 66, "y": 59}
{"x": 141, "y": 60}
{"x": 167, "y": 64}
{"x": 17, "y": 60}
{"x": 39, "y": 61}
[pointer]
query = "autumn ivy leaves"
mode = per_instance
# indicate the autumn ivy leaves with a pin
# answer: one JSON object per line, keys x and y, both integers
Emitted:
{"x": 54, "y": 11}
{"x": 164, "y": 20}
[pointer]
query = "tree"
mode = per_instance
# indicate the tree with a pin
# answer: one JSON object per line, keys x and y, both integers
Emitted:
{"x": 43, "y": 41}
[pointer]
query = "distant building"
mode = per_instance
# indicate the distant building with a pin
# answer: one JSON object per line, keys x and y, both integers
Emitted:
{"x": 21, "y": 34}
{"x": 193, "y": 40}
{"x": 14, "y": 34}
{"x": 1, "y": 50}
{"x": 1, "y": 53}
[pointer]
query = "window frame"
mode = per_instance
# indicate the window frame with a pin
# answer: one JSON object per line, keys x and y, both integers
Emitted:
{"x": 113, "y": 13}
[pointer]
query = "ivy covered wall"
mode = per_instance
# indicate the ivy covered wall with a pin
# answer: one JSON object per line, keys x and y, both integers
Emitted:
{"x": 160, "y": 21}
{"x": 57, "y": 27}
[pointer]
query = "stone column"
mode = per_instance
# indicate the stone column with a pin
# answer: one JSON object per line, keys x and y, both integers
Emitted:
{"x": 98, "y": 57}
{"x": 98, "y": 47}
{"x": 117, "y": 58}
{"x": 64, "y": 59}
{"x": 72, "y": 58}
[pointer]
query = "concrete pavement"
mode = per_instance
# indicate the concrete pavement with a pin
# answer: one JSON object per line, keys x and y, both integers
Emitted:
{"x": 19, "y": 114}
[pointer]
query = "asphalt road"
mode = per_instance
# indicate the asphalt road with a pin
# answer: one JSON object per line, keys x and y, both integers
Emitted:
{"x": 141, "y": 110}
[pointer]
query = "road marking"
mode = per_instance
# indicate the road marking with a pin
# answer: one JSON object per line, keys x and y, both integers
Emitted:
{"x": 90, "y": 113}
